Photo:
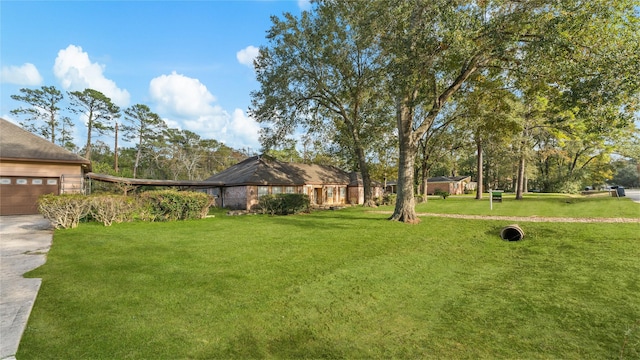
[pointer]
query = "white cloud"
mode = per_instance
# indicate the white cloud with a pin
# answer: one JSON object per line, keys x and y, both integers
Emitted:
{"x": 181, "y": 95}
{"x": 27, "y": 74}
{"x": 185, "y": 103}
{"x": 247, "y": 55}
{"x": 304, "y": 4}
{"x": 76, "y": 72}
{"x": 244, "y": 129}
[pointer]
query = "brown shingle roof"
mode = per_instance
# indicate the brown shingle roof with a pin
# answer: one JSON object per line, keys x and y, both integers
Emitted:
{"x": 19, "y": 144}
{"x": 263, "y": 170}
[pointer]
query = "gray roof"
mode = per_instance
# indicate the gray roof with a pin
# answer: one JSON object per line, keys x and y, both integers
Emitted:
{"x": 21, "y": 145}
{"x": 264, "y": 170}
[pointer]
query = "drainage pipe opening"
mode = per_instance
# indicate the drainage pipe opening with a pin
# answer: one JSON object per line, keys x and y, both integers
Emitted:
{"x": 512, "y": 233}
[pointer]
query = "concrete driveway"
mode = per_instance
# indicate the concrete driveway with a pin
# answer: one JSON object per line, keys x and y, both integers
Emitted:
{"x": 24, "y": 243}
{"x": 633, "y": 194}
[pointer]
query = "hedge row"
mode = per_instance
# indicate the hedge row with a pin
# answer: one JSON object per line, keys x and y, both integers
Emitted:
{"x": 283, "y": 204}
{"x": 66, "y": 211}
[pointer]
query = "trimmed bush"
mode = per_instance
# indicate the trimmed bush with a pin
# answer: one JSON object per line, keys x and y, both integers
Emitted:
{"x": 168, "y": 205}
{"x": 283, "y": 204}
{"x": 64, "y": 211}
{"x": 108, "y": 209}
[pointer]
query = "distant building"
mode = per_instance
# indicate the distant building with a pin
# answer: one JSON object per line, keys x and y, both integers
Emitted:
{"x": 454, "y": 185}
{"x": 245, "y": 182}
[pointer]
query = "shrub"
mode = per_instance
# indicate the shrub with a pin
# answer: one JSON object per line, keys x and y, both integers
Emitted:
{"x": 168, "y": 205}
{"x": 444, "y": 194}
{"x": 108, "y": 209}
{"x": 283, "y": 204}
{"x": 389, "y": 199}
{"x": 64, "y": 211}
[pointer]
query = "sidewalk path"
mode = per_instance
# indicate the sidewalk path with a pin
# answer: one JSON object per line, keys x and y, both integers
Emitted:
{"x": 24, "y": 243}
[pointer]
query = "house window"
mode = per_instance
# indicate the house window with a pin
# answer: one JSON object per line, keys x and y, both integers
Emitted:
{"x": 330, "y": 192}
{"x": 52, "y": 181}
{"x": 36, "y": 182}
{"x": 290, "y": 190}
{"x": 276, "y": 189}
{"x": 263, "y": 190}
{"x": 343, "y": 192}
{"x": 21, "y": 181}
{"x": 5, "y": 181}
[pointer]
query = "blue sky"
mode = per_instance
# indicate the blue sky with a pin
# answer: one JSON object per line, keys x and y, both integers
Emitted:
{"x": 189, "y": 61}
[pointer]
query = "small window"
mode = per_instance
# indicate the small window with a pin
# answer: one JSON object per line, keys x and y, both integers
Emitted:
{"x": 263, "y": 190}
{"x": 343, "y": 192}
{"x": 5, "y": 181}
{"x": 36, "y": 181}
{"x": 21, "y": 181}
{"x": 290, "y": 190}
{"x": 276, "y": 189}
{"x": 330, "y": 192}
{"x": 52, "y": 181}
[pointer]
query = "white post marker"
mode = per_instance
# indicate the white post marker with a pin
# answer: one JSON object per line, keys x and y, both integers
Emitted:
{"x": 490, "y": 199}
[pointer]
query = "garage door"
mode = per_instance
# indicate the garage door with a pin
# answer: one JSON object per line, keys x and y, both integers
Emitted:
{"x": 19, "y": 195}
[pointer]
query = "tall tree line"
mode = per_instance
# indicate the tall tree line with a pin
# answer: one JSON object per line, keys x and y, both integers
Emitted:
{"x": 549, "y": 86}
{"x": 158, "y": 152}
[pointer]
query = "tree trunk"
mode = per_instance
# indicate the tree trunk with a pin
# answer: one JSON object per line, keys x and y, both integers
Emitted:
{"x": 425, "y": 181}
{"x": 366, "y": 178}
{"x": 424, "y": 171}
{"x": 89, "y": 129}
{"x": 521, "y": 171}
{"x": 115, "y": 151}
{"x": 405, "y": 202}
{"x": 52, "y": 123}
{"x": 480, "y": 187}
{"x": 135, "y": 165}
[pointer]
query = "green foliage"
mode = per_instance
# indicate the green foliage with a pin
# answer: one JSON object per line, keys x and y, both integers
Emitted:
{"x": 144, "y": 127}
{"x": 169, "y": 205}
{"x": 444, "y": 194}
{"x": 627, "y": 174}
{"x": 388, "y": 199}
{"x": 64, "y": 211}
{"x": 43, "y": 114}
{"x": 100, "y": 112}
{"x": 284, "y": 204}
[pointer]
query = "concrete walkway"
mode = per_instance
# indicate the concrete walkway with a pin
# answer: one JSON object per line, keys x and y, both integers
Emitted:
{"x": 24, "y": 243}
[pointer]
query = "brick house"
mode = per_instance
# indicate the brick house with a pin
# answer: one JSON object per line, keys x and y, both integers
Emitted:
{"x": 454, "y": 185}
{"x": 246, "y": 181}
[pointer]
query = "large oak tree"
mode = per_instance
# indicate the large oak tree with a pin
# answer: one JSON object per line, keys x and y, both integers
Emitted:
{"x": 321, "y": 72}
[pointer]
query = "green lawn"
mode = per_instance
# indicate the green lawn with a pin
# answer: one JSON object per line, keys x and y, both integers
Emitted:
{"x": 343, "y": 284}
{"x": 552, "y": 205}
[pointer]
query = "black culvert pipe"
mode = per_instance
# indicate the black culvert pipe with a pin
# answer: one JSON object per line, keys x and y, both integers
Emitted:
{"x": 512, "y": 233}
